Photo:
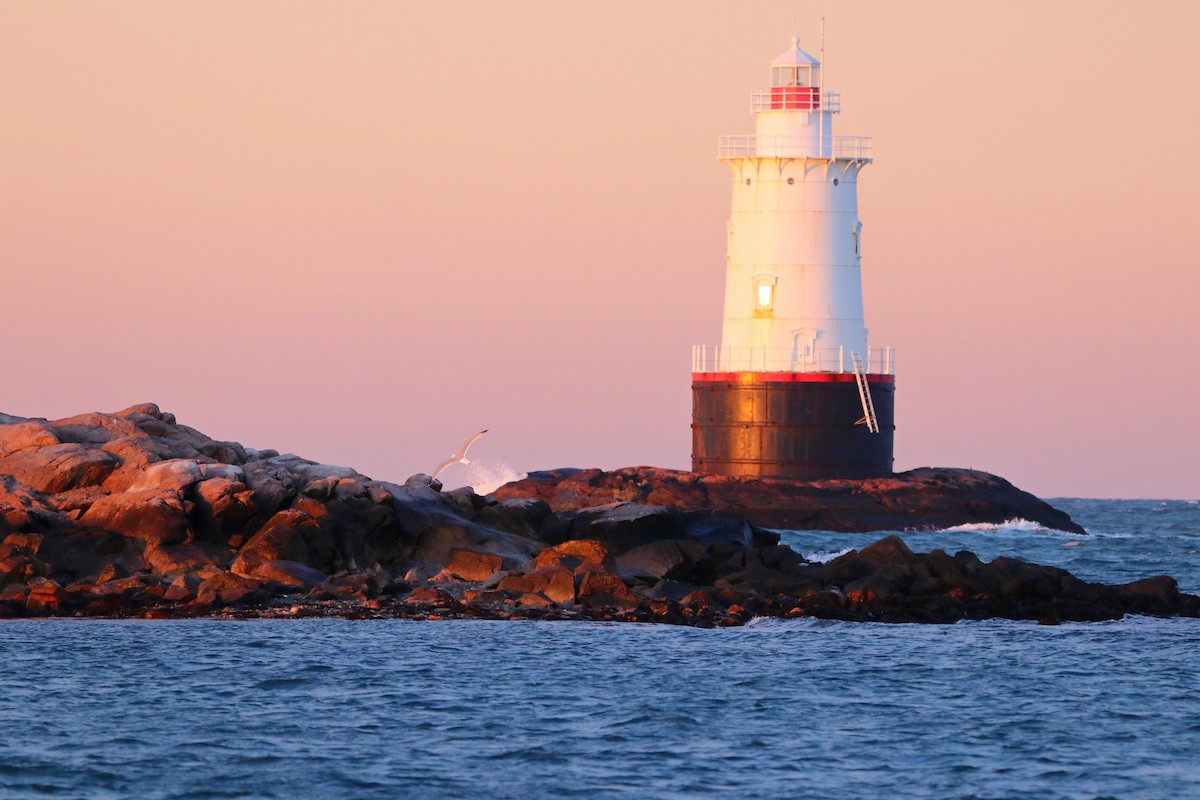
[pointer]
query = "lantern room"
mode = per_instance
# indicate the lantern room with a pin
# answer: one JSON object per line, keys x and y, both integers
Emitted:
{"x": 795, "y": 80}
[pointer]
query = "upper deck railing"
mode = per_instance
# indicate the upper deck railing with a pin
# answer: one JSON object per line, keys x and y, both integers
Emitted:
{"x": 795, "y": 98}
{"x": 715, "y": 358}
{"x": 857, "y": 148}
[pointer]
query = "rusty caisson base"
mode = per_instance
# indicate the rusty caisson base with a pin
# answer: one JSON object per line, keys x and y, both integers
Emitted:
{"x": 805, "y": 426}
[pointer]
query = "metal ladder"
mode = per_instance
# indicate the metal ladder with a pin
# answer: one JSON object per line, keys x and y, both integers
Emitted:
{"x": 864, "y": 394}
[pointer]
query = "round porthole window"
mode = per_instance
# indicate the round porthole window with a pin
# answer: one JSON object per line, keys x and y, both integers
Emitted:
{"x": 835, "y": 181}
{"x": 747, "y": 181}
{"x": 791, "y": 181}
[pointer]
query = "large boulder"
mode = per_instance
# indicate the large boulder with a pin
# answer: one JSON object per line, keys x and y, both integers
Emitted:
{"x": 59, "y": 467}
{"x": 22, "y": 435}
{"x": 175, "y": 474}
{"x": 676, "y": 559}
{"x": 603, "y": 589}
{"x": 288, "y": 573}
{"x": 289, "y": 535}
{"x": 223, "y": 507}
{"x": 574, "y": 555}
{"x": 471, "y": 565}
{"x": 437, "y": 543}
{"x": 155, "y": 516}
{"x": 23, "y": 509}
{"x": 555, "y": 583}
{"x": 621, "y": 526}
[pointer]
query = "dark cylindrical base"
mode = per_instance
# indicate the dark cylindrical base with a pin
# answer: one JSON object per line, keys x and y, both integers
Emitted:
{"x": 748, "y": 424}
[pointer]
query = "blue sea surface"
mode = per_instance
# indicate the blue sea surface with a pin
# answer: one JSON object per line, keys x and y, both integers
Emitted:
{"x": 776, "y": 709}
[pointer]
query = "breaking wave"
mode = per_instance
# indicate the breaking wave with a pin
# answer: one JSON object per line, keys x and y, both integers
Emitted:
{"x": 1014, "y": 525}
{"x": 486, "y": 475}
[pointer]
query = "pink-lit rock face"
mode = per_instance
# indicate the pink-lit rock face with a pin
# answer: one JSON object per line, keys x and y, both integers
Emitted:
{"x": 168, "y": 522}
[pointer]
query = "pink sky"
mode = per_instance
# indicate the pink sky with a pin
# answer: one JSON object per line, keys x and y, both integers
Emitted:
{"x": 362, "y": 231}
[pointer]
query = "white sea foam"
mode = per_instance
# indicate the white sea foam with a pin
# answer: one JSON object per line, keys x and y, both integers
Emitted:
{"x": 1012, "y": 525}
{"x": 825, "y": 556}
{"x": 486, "y": 475}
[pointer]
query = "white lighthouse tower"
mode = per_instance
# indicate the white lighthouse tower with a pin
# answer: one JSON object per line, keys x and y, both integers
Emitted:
{"x": 793, "y": 390}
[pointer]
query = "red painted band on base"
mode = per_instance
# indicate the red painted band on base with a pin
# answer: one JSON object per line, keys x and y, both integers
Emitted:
{"x": 785, "y": 377}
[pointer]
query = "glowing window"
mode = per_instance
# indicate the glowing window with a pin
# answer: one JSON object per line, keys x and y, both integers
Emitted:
{"x": 764, "y": 295}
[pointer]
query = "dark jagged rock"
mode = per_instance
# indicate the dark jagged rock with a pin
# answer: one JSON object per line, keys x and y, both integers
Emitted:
{"x": 919, "y": 499}
{"x": 133, "y": 514}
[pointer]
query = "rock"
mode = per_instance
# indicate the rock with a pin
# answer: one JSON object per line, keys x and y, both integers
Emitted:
{"x": 226, "y": 589}
{"x": 171, "y": 559}
{"x": 427, "y": 596}
{"x": 24, "y": 434}
{"x": 470, "y": 565}
{"x": 573, "y": 555}
{"x": 153, "y": 515}
{"x": 1161, "y": 586}
{"x": 356, "y": 585}
{"x": 59, "y": 467}
{"x": 603, "y": 589}
{"x": 271, "y": 485}
{"x": 437, "y": 543}
{"x": 919, "y": 499}
{"x": 526, "y": 517}
{"x": 18, "y": 567}
{"x": 289, "y": 535}
{"x": 671, "y": 558}
{"x": 24, "y": 510}
{"x": 174, "y": 475}
{"x": 555, "y": 582}
{"x": 74, "y": 502}
{"x": 106, "y": 597}
{"x": 533, "y": 601}
{"x": 223, "y": 507}
{"x": 45, "y": 596}
{"x": 287, "y": 573}
{"x": 26, "y": 542}
{"x": 183, "y": 589}
{"x": 620, "y": 526}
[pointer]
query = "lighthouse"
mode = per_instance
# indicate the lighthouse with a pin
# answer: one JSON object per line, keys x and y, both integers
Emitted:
{"x": 794, "y": 389}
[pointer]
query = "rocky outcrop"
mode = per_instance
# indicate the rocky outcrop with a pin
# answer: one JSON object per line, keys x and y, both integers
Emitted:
{"x": 133, "y": 514}
{"x": 920, "y": 499}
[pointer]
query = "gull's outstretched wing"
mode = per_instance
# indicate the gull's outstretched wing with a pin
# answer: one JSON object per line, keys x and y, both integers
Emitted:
{"x": 462, "y": 453}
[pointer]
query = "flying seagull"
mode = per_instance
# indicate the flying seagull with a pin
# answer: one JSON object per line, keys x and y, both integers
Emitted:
{"x": 461, "y": 455}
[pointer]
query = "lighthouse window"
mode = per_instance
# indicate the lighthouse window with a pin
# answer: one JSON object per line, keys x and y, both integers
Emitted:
{"x": 835, "y": 181}
{"x": 747, "y": 181}
{"x": 764, "y": 294}
{"x": 791, "y": 181}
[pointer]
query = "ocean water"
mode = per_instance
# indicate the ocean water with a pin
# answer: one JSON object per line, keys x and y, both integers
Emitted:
{"x": 776, "y": 709}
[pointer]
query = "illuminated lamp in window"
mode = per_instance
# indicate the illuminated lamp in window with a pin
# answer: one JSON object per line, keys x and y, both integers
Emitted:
{"x": 764, "y": 295}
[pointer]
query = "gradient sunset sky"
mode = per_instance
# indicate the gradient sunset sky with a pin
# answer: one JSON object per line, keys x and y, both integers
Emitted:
{"x": 360, "y": 231}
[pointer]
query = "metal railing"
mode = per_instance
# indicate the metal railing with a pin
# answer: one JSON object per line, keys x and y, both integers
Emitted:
{"x": 752, "y": 146}
{"x": 717, "y": 358}
{"x": 793, "y": 98}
